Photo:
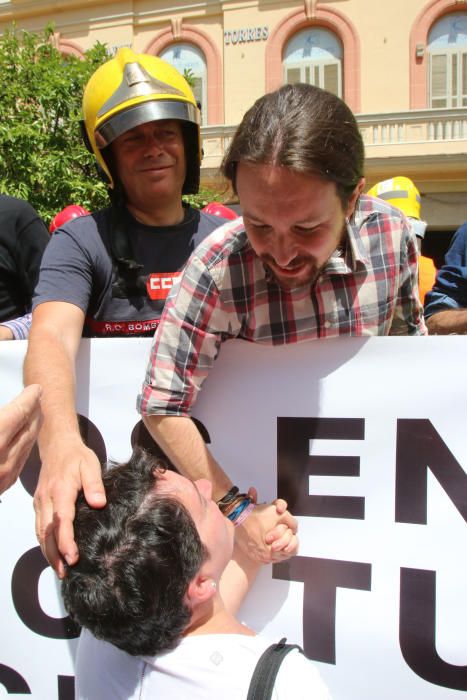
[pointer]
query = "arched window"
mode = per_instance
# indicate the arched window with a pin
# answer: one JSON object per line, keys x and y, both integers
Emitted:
{"x": 186, "y": 57}
{"x": 447, "y": 47}
{"x": 314, "y": 56}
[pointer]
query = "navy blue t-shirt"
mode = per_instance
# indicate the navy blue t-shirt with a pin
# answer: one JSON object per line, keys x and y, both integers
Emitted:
{"x": 77, "y": 268}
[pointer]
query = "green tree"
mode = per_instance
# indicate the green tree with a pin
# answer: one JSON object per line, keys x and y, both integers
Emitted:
{"x": 42, "y": 155}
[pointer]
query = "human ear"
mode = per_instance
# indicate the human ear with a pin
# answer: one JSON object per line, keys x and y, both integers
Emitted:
{"x": 355, "y": 195}
{"x": 201, "y": 589}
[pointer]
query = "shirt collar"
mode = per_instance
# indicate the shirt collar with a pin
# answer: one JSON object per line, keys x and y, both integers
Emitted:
{"x": 346, "y": 259}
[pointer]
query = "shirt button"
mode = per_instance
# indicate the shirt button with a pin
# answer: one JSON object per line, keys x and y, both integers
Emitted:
{"x": 327, "y": 324}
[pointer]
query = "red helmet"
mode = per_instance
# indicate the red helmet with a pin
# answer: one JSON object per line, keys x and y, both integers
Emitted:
{"x": 218, "y": 209}
{"x": 70, "y": 212}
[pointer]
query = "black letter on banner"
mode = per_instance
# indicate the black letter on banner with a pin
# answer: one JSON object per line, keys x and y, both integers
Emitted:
{"x": 321, "y": 578}
{"x": 24, "y": 590}
{"x": 66, "y": 688}
{"x": 295, "y": 464}
{"x": 13, "y": 683}
{"x": 417, "y": 624}
{"x": 419, "y": 448}
{"x": 91, "y": 437}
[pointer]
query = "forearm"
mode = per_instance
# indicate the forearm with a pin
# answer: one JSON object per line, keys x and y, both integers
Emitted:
{"x": 181, "y": 441}
{"x": 16, "y": 328}
{"x": 6, "y": 333}
{"x": 50, "y": 363}
{"x": 237, "y": 579}
{"x": 448, "y": 321}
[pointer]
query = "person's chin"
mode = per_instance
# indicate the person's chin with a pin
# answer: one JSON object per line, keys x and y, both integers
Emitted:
{"x": 291, "y": 280}
{"x": 158, "y": 187}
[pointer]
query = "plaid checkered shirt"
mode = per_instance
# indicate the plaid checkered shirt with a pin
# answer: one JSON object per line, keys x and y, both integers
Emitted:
{"x": 367, "y": 287}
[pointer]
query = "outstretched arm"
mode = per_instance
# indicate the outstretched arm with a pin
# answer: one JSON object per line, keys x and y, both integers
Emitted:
{"x": 181, "y": 441}
{"x": 67, "y": 464}
{"x": 242, "y": 570}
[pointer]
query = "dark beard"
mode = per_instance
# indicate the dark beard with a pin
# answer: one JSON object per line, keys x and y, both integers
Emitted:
{"x": 271, "y": 277}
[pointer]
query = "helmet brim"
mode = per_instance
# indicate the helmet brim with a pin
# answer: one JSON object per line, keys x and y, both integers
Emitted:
{"x": 143, "y": 113}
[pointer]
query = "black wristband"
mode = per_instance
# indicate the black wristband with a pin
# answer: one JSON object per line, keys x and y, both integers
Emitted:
{"x": 228, "y": 498}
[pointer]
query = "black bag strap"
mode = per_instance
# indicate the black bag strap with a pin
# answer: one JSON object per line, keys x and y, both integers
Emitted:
{"x": 267, "y": 668}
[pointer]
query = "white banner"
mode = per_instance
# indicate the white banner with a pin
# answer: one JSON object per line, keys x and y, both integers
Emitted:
{"x": 366, "y": 440}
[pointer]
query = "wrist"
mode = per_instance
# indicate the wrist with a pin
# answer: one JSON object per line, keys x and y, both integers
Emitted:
{"x": 236, "y": 506}
{"x": 6, "y": 333}
{"x": 55, "y": 441}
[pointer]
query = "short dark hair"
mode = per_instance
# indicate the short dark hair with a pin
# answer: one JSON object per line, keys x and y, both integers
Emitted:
{"x": 304, "y": 128}
{"x": 138, "y": 555}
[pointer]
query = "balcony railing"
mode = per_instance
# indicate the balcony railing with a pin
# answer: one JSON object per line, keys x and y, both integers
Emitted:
{"x": 424, "y": 132}
{"x": 417, "y": 126}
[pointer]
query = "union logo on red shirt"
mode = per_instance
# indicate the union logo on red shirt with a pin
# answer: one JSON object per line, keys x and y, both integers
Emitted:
{"x": 159, "y": 284}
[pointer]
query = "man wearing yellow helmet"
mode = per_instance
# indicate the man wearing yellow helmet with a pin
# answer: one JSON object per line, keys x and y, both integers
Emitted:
{"x": 402, "y": 193}
{"x": 108, "y": 274}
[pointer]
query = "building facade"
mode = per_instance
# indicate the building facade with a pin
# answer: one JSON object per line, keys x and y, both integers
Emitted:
{"x": 400, "y": 65}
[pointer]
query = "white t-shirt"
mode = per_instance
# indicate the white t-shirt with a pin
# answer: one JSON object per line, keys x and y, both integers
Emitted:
{"x": 202, "y": 667}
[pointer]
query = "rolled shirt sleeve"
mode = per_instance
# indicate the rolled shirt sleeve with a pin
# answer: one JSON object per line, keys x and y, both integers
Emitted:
{"x": 186, "y": 344}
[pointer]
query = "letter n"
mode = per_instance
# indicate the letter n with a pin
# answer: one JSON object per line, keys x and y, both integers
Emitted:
{"x": 419, "y": 448}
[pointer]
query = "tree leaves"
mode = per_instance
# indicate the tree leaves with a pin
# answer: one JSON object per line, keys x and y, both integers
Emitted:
{"x": 42, "y": 156}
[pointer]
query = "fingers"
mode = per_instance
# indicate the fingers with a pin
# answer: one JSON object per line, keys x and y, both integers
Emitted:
{"x": 29, "y": 399}
{"x": 269, "y": 533}
{"x": 91, "y": 477}
{"x": 288, "y": 519}
{"x": 18, "y": 413}
{"x": 48, "y": 545}
{"x": 54, "y": 525}
{"x": 281, "y": 505}
{"x": 45, "y": 536}
{"x": 283, "y": 538}
{"x": 253, "y": 494}
{"x": 23, "y": 409}
{"x": 62, "y": 536}
{"x": 275, "y": 535}
{"x": 286, "y": 545}
{"x": 20, "y": 422}
{"x": 55, "y": 499}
